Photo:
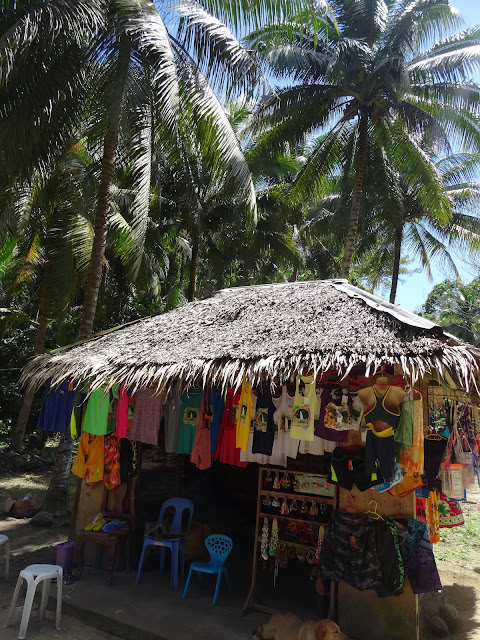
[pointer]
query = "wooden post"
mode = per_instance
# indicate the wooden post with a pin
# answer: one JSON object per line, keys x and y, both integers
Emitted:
{"x": 89, "y": 504}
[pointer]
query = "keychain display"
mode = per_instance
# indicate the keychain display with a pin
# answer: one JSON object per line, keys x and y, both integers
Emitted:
{"x": 272, "y": 547}
{"x": 264, "y": 542}
{"x": 276, "y": 481}
{"x": 295, "y": 527}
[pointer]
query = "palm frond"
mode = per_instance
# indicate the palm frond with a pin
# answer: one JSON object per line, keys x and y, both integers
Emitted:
{"x": 412, "y": 23}
{"x": 323, "y": 160}
{"x": 223, "y": 60}
{"x": 218, "y": 138}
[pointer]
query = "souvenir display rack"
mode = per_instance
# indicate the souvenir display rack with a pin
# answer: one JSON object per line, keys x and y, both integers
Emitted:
{"x": 299, "y": 503}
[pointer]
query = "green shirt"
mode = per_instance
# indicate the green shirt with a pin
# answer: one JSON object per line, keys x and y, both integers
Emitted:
{"x": 100, "y": 413}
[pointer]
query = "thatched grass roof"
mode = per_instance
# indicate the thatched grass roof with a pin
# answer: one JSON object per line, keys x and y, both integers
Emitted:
{"x": 265, "y": 332}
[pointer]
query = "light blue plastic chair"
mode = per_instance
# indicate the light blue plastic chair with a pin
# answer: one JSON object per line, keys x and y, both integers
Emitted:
{"x": 173, "y": 540}
{"x": 219, "y": 546}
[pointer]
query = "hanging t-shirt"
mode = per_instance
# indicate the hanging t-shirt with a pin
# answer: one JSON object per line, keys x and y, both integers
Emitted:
{"x": 56, "y": 409}
{"x": 121, "y": 423}
{"x": 189, "y": 416}
{"x": 244, "y": 415}
{"x": 317, "y": 446}
{"x": 303, "y": 415}
{"x": 283, "y": 419}
{"x": 148, "y": 416}
{"x": 201, "y": 456}
{"x": 335, "y": 416}
{"x": 227, "y": 451}
{"x": 264, "y": 426}
{"x": 217, "y": 403}
{"x": 171, "y": 418}
{"x": 99, "y": 418}
{"x": 248, "y": 456}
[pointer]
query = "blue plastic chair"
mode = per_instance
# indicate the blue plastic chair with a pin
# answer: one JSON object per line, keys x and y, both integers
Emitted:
{"x": 173, "y": 540}
{"x": 219, "y": 546}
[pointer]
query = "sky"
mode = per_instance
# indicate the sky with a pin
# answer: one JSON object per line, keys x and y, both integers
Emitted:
{"x": 414, "y": 289}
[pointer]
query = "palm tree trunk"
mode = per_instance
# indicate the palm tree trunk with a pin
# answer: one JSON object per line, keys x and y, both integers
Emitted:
{"x": 95, "y": 267}
{"x": 56, "y": 498}
{"x": 19, "y": 431}
{"x": 357, "y": 194}
{"x": 396, "y": 263}
{"x": 57, "y": 492}
{"x": 193, "y": 272}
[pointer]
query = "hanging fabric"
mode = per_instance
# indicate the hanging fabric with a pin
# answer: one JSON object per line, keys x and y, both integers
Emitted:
{"x": 264, "y": 427}
{"x": 227, "y": 451}
{"x": 217, "y": 402}
{"x": 171, "y": 417}
{"x": 57, "y": 407}
{"x": 303, "y": 415}
{"x": 192, "y": 400}
{"x": 244, "y": 414}
{"x": 148, "y": 416}
{"x": 89, "y": 462}
{"x": 411, "y": 460}
{"x": 449, "y": 513}
{"x": 201, "y": 455}
{"x": 404, "y": 430}
{"x": 283, "y": 419}
{"x": 111, "y": 461}
{"x": 100, "y": 414}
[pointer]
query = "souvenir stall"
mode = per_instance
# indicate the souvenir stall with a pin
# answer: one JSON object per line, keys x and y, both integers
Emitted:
{"x": 361, "y": 418}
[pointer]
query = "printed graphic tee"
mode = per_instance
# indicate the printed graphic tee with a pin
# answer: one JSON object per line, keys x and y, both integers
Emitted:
{"x": 264, "y": 426}
{"x": 189, "y": 416}
{"x": 304, "y": 406}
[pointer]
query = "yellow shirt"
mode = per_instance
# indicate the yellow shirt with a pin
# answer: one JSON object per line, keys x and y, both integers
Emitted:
{"x": 244, "y": 415}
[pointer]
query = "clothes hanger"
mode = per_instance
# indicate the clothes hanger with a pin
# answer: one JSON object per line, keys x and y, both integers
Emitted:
{"x": 374, "y": 514}
{"x": 350, "y": 505}
{"x": 432, "y": 435}
{"x": 400, "y": 516}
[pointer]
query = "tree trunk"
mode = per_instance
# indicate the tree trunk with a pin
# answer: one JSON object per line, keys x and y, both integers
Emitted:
{"x": 19, "y": 431}
{"x": 95, "y": 267}
{"x": 56, "y": 498}
{"x": 396, "y": 263}
{"x": 357, "y": 194}
{"x": 57, "y": 492}
{"x": 193, "y": 272}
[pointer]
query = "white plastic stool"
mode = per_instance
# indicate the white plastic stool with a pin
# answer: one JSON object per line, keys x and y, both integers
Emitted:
{"x": 4, "y": 540}
{"x": 33, "y": 575}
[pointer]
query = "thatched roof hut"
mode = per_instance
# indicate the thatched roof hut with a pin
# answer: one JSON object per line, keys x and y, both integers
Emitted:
{"x": 264, "y": 332}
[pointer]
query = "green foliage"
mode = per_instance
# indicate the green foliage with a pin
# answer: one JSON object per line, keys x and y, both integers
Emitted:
{"x": 456, "y": 307}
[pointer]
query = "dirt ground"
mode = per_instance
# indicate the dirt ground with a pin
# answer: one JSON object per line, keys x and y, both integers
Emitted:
{"x": 457, "y": 554}
{"x": 31, "y": 545}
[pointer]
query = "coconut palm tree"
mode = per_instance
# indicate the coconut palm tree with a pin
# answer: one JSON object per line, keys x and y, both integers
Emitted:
{"x": 423, "y": 234}
{"x": 133, "y": 79}
{"x": 45, "y": 48}
{"x": 48, "y": 220}
{"x": 368, "y": 76}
